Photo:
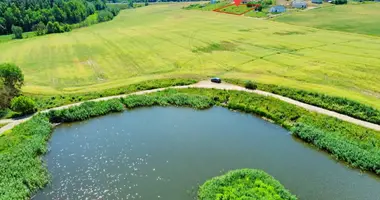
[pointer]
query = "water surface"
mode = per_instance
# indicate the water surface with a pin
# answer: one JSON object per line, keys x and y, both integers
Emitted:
{"x": 165, "y": 153}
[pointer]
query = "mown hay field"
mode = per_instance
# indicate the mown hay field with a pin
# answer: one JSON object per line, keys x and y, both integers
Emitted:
{"x": 355, "y": 18}
{"x": 163, "y": 41}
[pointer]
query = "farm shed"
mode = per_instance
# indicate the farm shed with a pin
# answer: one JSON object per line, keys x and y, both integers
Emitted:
{"x": 299, "y": 4}
{"x": 277, "y": 9}
{"x": 317, "y": 1}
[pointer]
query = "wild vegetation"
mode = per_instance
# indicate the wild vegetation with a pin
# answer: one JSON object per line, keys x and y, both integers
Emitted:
{"x": 334, "y": 103}
{"x": 101, "y": 57}
{"x": 22, "y": 172}
{"x": 336, "y": 18}
{"x": 244, "y": 184}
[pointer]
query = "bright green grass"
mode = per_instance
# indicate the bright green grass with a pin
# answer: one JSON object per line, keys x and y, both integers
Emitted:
{"x": 235, "y": 9}
{"x": 354, "y": 18}
{"x": 161, "y": 41}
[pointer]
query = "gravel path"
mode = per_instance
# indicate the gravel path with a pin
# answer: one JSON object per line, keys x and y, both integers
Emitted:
{"x": 221, "y": 86}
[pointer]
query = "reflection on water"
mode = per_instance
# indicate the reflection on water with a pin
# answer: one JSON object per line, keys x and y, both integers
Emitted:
{"x": 165, "y": 153}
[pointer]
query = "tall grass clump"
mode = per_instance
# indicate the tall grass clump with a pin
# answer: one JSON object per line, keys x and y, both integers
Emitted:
{"x": 21, "y": 170}
{"x": 167, "y": 99}
{"x": 244, "y": 184}
{"x": 342, "y": 148}
{"x": 338, "y": 104}
{"x": 85, "y": 111}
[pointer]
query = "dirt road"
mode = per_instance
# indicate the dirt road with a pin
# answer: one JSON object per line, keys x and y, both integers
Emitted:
{"x": 221, "y": 86}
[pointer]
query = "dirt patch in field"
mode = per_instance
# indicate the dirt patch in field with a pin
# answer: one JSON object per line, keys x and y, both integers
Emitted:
{"x": 290, "y": 33}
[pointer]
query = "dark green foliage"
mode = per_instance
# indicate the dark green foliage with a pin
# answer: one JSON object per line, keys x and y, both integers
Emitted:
{"x": 244, "y": 184}
{"x": 53, "y": 27}
{"x": 108, "y": 14}
{"x": 39, "y": 29}
{"x": 28, "y": 14}
{"x": 339, "y": 2}
{"x": 44, "y": 102}
{"x": 11, "y": 80}
{"x": 85, "y": 110}
{"x": 21, "y": 170}
{"x": 23, "y": 105}
{"x": 338, "y": 104}
{"x": 250, "y": 85}
{"x": 349, "y": 151}
{"x": 17, "y": 32}
{"x": 167, "y": 98}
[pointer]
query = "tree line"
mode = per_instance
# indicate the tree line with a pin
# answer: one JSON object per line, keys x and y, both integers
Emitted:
{"x": 47, "y": 16}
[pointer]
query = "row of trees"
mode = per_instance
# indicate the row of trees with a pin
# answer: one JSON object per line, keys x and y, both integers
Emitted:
{"x": 11, "y": 81}
{"x": 27, "y": 14}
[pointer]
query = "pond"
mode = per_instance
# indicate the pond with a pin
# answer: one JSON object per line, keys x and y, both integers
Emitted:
{"x": 165, "y": 153}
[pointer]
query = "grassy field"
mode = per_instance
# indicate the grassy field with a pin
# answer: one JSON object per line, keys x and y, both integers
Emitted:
{"x": 164, "y": 41}
{"x": 354, "y": 18}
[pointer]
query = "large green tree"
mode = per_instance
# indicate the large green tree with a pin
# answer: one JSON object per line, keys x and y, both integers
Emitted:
{"x": 11, "y": 80}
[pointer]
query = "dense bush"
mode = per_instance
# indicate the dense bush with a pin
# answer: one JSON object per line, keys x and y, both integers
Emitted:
{"x": 166, "y": 99}
{"x": 339, "y": 2}
{"x": 85, "y": 110}
{"x": 21, "y": 170}
{"x": 338, "y": 104}
{"x": 23, "y": 105}
{"x": 342, "y": 148}
{"x": 17, "y": 32}
{"x": 244, "y": 184}
{"x": 250, "y": 85}
{"x": 39, "y": 29}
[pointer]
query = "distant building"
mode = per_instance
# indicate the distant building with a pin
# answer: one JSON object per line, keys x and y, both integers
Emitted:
{"x": 317, "y": 1}
{"x": 277, "y": 9}
{"x": 299, "y": 4}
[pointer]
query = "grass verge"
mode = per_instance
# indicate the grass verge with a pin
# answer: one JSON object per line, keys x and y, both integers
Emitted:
{"x": 244, "y": 184}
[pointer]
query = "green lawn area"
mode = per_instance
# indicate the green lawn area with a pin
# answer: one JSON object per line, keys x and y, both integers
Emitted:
{"x": 353, "y": 18}
{"x": 236, "y": 9}
{"x": 164, "y": 41}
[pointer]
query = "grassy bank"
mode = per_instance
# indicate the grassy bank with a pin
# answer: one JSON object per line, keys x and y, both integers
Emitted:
{"x": 138, "y": 45}
{"x": 52, "y": 101}
{"x": 244, "y": 184}
{"x": 341, "y": 105}
{"x": 22, "y": 171}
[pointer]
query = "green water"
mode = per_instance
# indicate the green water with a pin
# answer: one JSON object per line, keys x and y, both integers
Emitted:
{"x": 165, "y": 153}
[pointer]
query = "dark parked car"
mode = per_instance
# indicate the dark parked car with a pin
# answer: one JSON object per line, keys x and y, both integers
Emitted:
{"x": 216, "y": 80}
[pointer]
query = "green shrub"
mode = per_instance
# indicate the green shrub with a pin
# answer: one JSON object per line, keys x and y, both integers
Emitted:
{"x": 250, "y": 85}
{"x": 244, "y": 184}
{"x": 39, "y": 29}
{"x": 23, "y": 104}
{"x": 17, "y": 31}
{"x": 105, "y": 15}
{"x": 339, "y": 2}
{"x": 166, "y": 98}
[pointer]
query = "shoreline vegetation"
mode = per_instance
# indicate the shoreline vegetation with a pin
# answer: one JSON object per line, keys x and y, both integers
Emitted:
{"x": 23, "y": 172}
